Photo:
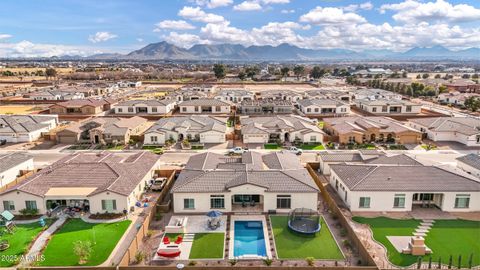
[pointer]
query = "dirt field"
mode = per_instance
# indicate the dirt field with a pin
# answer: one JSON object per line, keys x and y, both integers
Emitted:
{"x": 59, "y": 70}
{"x": 21, "y": 109}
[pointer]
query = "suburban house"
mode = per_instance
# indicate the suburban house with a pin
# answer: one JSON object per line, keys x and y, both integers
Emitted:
{"x": 291, "y": 128}
{"x": 372, "y": 94}
{"x": 463, "y": 86}
{"x": 392, "y": 188}
{"x": 359, "y": 129}
{"x": 266, "y": 106}
{"x": 25, "y": 128}
{"x": 105, "y": 130}
{"x": 13, "y": 165}
{"x": 202, "y": 128}
{"x": 131, "y": 84}
{"x": 146, "y": 107}
{"x": 250, "y": 183}
{"x": 206, "y": 88}
{"x": 464, "y": 130}
{"x": 55, "y": 95}
{"x": 319, "y": 107}
{"x": 82, "y": 106}
{"x": 198, "y": 106}
{"x": 456, "y": 98}
{"x": 328, "y": 93}
{"x": 470, "y": 163}
{"x": 92, "y": 182}
{"x": 186, "y": 95}
{"x": 234, "y": 95}
{"x": 287, "y": 95}
{"x": 388, "y": 106}
{"x": 363, "y": 156}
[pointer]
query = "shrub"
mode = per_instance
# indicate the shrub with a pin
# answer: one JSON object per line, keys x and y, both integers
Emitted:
{"x": 192, "y": 263}
{"x": 343, "y": 232}
{"x": 267, "y": 262}
{"x": 139, "y": 256}
{"x": 158, "y": 216}
{"x": 310, "y": 261}
{"x": 149, "y": 233}
{"x": 233, "y": 262}
{"x": 83, "y": 250}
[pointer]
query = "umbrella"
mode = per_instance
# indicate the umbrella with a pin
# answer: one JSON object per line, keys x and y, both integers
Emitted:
{"x": 214, "y": 214}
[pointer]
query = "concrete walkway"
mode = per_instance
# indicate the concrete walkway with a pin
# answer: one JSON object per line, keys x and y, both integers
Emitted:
{"x": 39, "y": 244}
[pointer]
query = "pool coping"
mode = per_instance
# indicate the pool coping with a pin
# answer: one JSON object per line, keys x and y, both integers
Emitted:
{"x": 261, "y": 218}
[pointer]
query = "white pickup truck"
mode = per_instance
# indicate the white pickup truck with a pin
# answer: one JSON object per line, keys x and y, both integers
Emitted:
{"x": 237, "y": 151}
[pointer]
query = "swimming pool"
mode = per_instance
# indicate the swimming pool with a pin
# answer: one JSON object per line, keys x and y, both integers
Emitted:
{"x": 249, "y": 240}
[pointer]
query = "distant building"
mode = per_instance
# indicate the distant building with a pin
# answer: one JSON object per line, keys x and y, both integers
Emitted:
{"x": 323, "y": 107}
{"x": 388, "y": 106}
{"x": 146, "y": 107}
{"x": 199, "y": 106}
{"x": 82, "y": 107}
{"x": 266, "y": 106}
{"x": 455, "y": 98}
{"x": 234, "y": 95}
{"x": 12, "y": 165}
{"x": 25, "y": 128}
{"x": 372, "y": 94}
{"x": 470, "y": 163}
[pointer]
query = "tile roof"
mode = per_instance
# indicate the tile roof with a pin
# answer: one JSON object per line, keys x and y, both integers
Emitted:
{"x": 401, "y": 159}
{"x": 321, "y": 102}
{"x": 192, "y": 124}
{"x": 115, "y": 172}
{"x": 402, "y": 178}
{"x": 360, "y": 124}
{"x": 148, "y": 102}
{"x": 23, "y": 123}
{"x": 472, "y": 160}
{"x": 204, "y": 102}
{"x": 9, "y": 161}
{"x": 85, "y": 102}
{"x": 464, "y": 125}
{"x": 276, "y": 172}
{"x": 269, "y": 124}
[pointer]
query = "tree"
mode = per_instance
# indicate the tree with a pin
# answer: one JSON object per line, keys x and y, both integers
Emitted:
{"x": 404, "y": 74}
{"x": 299, "y": 70}
{"x": 419, "y": 76}
{"x": 242, "y": 75}
{"x": 317, "y": 72}
{"x": 252, "y": 71}
{"x": 284, "y": 71}
{"x": 472, "y": 103}
{"x": 220, "y": 71}
{"x": 438, "y": 76}
{"x": 425, "y": 75}
{"x": 50, "y": 72}
{"x": 83, "y": 249}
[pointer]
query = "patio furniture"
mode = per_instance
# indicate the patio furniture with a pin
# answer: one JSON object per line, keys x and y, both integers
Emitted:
{"x": 166, "y": 240}
{"x": 213, "y": 224}
{"x": 178, "y": 225}
{"x": 169, "y": 251}
{"x": 179, "y": 240}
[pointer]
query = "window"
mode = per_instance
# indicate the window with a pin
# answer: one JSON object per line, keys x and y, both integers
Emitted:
{"x": 309, "y": 110}
{"x": 409, "y": 108}
{"x": 184, "y": 109}
{"x": 217, "y": 202}
{"x": 336, "y": 184}
{"x": 109, "y": 205}
{"x": 153, "y": 139}
{"x": 284, "y": 201}
{"x": 364, "y": 202}
{"x": 218, "y": 108}
{"x": 374, "y": 109}
{"x": 31, "y": 205}
{"x": 188, "y": 203}
{"x": 8, "y": 205}
{"x": 196, "y": 109}
{"x": 120, "y": 110}
{"x": 462, "y": 201}
{"x": 399, "y": 201}
{"x": 313, "y": 138}
{"x": 154, "y": 109}
{"x": 316, "y": 109}
{"x": 384, "y": 108}
{"x": 130, "y": 109}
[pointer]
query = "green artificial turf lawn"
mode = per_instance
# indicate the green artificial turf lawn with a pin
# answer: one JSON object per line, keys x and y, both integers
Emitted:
{"x": 271, "y": 146}
{"x": 208, "y": 246}
{"x": 312, "y": 147}
{"x": 291, "y": 245}
{"x": 446, "y": 237}
{"x": 19, "y": 241}
{"x": 59, "y": 250}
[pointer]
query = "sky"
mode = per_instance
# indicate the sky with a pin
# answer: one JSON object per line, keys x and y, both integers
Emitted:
{"x": 46, "y": 28}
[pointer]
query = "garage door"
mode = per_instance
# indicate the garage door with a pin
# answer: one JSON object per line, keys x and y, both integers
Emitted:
{"x": 254, "y": 139}
{"x": 213, "y": 138}
{"x": 409, "y": 139}
{"x": 67, "y": 139}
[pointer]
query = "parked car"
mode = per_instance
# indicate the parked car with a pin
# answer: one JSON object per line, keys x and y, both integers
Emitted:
{"x": 295, "y": 150}
{"x": 158, "y": 183}
{"x": 237, "y": 151}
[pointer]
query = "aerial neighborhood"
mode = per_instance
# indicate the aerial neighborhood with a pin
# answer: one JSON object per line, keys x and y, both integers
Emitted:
{"x": 323, "y": 139}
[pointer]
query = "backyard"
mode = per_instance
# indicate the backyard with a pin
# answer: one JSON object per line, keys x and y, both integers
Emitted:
{"x": 290, "y": 245}
{"x": 446, "y": 238}
{"x": 103, "y": 236}
{"x": 19, "y": 242}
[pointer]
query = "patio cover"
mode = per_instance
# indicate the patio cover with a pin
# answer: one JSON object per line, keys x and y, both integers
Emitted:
{"x": 70, "y": 191}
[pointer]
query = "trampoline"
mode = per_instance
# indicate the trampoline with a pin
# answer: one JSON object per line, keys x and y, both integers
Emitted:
{"x": 304, "y": 221}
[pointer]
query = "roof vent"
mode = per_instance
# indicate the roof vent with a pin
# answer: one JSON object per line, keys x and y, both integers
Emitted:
{"x": 389, "y": 178}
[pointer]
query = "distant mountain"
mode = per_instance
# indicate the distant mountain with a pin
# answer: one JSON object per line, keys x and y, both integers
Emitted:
{"x": 166, "y": 51}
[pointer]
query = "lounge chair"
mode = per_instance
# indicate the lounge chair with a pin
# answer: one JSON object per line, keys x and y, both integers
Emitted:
{"x": 179, "y": 240}
{"x": 166, "y": 240}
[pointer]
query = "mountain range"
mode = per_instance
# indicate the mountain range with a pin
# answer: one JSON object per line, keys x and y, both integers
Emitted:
{"x": 166, "y": 51}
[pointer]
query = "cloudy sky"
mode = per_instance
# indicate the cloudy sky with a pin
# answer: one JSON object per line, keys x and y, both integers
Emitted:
{"x": 82, "y": 27}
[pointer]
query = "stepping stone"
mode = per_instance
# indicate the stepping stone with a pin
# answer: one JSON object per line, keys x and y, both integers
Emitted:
{"x": 428, "y": 220}
{"x": 419, "y": 234}
{"x": 427, "y": 224}
{"x": 424, "y": 227}
{"x": 421, "y": 231}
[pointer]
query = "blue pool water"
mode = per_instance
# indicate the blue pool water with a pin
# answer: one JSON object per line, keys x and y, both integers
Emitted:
{"x": 249, "y": 239}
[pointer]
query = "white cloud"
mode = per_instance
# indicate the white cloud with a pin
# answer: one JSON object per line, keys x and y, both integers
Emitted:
{"x": 287, "y": 11}
{"x": 175, "y": 25}
{"x": 29, "y": 49}
{"x": 184, "y": 40}
{"x": 101, "y": 37}
{"x": 5, "y": 36}
{"x": 247, "y": 6}
{"x": 355, "y": 7}
{"x": 140, "y": 39}
{"x": 331, "y": 15}
{"x": 411, "y": 11}
{"x": 276, "y": 1}
{"x": 224, "y": 33}
{"x": 198, "y": 15}
{"x": 276, "y": 33}
{"x": 214, "y": 3}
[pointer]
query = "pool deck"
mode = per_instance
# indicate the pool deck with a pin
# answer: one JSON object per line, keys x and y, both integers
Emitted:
{"x": 261, "y": 218}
